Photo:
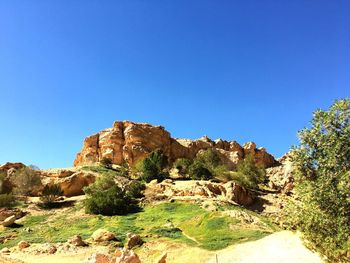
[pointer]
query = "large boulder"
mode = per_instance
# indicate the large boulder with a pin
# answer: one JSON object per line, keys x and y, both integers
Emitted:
{"x": 9, "y": 221}
{"x": 101, "y": 235}
{"x": 129, "y": 142}
{"x": 71, "y": 180}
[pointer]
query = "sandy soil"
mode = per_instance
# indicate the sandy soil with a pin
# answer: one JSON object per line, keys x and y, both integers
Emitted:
{"x": 280, "y": 247}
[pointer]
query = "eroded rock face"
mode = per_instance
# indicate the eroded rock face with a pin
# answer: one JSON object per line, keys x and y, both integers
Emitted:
{"x": 129, "y": 142}
{"x": 185, "y": 190}
{"x": 282, "y": 177}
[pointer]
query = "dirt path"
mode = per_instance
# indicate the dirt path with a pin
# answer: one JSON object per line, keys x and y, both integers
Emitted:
{"x": 280, "y": 247}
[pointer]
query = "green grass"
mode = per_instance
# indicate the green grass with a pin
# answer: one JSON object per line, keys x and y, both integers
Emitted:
{"x": 179, "y": 222}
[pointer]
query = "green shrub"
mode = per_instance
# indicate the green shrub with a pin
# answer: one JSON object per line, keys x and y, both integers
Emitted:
{"x": 207, "y": 165}
{"x": 106, "y": 162}
{"x": 105, "y": 197}
{"x": 183, "y": 165}
{"x": 7, "y": 200}
{"x": 26, "y": 181}
{"x": 50, "y": 194}
{"x": 153, "y": 167}
{"x": 135, "y": 188}
{"x": 248, "y": 173}
{"x": 323, "y": 183}
{"x": 199, "y": 171}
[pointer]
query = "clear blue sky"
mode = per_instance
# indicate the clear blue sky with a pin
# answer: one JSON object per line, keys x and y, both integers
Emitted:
{"x": 242, "y": 70}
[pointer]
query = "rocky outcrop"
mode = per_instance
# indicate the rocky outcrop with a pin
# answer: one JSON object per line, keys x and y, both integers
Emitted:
{"x": 129, "y": 142}
{"x": 71, "y": 180}
{"x": 186, "y": 190}
{"x": 281, "y": 177}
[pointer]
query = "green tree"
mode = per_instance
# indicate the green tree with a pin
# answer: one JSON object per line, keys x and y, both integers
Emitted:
{"x": 323, "y": 182}
{"x": 50, "y": 194}
{"x": 248, "y": 173}
{"x": 153, "y": 167}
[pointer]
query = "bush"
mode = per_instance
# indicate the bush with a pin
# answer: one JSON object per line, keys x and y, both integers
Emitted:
{"x": 135, "y": 189}
{"x": 106, "y": 162}
{"x": 323, "y": 183}
{"x": 153, "y": 167}
{"x": 26, "y": 181}
{"x": 50, "y": 194}
{"x": 207, "y": 165}
{"x": 7, "y": 200}
{"x": 183, "y": 165}
{"x": 198, "y": 171}
{"x": 105, "y": 197}
{"x": 248, "y": 174}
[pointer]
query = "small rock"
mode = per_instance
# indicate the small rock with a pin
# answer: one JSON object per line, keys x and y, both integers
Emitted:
{"x": 23, "y": 244}
{"x": 126, "y": 256}
{"x": 77, "y": 241}
{"x": 101, "y": 235}
{"x": 48, "y": 248}
{"x": 163, "y": 258}
{"x": 133, "y": 240}
{"x": 5, "y": 250}
{"x": 97, "y": 258}
{"x": 9, "y": 221}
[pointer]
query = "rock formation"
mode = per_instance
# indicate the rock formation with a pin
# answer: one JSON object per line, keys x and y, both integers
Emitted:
{"x": 129, "y": 142}
{"x": 281, "y": 177}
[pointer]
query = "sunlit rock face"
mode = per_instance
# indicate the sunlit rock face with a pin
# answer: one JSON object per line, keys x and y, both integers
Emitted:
{"x": 129, "y": 142}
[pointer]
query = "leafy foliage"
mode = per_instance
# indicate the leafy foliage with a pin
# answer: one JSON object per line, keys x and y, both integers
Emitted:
{"x": 106, "y": 162}
{"x": 323, "y": 182}
{"x": 134, "y": 189}
{"x": 50, "y": 194}
{"x": 182, "y": 165}
{"x": 105, "y": 197}
{"x": 7, "y": 200}
{"x": 248, "y": 173}
{"x": 153, "y": 167}
{"x": 25, "y": 181}
{"x": 206, "y": 165}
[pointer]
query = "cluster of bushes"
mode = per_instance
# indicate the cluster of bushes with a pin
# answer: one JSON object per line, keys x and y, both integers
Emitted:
{"x": 208, "y": 165}
{"x": 323, "y": 183}
{"x": 106, "y": 197}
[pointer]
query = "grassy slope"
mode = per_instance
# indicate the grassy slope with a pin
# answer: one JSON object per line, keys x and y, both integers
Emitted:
{"x": 179, "y": 222}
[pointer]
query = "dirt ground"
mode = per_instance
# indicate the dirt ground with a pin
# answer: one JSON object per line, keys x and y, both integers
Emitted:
{"x": 280, "y": 247}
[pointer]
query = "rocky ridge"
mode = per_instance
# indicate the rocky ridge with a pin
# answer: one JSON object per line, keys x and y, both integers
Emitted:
{"x": 129, "y": 142}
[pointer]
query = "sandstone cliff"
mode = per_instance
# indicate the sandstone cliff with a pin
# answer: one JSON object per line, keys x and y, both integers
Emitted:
{"x": 129, "y": 142}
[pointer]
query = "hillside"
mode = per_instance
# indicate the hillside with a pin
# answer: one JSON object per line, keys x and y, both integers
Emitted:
{"x": 158, "y": 199}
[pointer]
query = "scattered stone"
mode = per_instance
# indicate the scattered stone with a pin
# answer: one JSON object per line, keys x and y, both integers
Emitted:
{"x": 163, "y": 258}
{"x": 98, "y": 258}
{"x": 126, "y": 256}
{"x": 7, "y": 212}
{"x": 133, "y": 240}
{"x": 9, "y": 221}
{"x": 5, "y": 250}
{"x": 23, "y": 244}
{"x": 101, "y": 235}
{"x": 47, "y": 248}
{"x": 77, "y": 241}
